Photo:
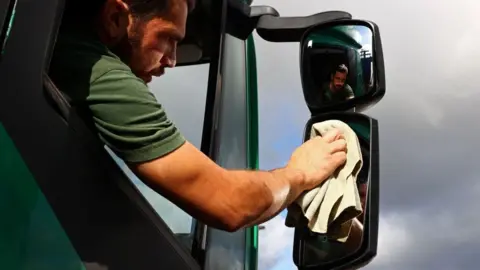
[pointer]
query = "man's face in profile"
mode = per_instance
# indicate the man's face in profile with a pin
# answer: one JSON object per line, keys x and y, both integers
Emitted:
{"x": 338, "y": 80}
{"x": 147, "y": 44}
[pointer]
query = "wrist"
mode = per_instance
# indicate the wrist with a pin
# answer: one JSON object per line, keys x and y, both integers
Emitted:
{"x": 295, "y": 178}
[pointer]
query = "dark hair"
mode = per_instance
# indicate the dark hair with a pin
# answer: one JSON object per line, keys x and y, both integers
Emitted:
{"x": 84, "y": 11}
{"x": 147, "y": 8}
{"x": 341, "y": 68}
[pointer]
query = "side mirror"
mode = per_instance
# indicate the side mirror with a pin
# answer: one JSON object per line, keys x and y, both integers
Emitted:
{"x": 341, "y": 64}
{"x": 313, "y": 251}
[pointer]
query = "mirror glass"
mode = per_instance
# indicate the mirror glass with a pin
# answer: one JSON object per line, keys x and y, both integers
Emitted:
{"x": 337, "y": 63}
{"x": 327, "y": 248}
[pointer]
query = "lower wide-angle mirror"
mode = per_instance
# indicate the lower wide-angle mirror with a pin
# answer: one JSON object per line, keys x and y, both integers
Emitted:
{"x": 326, "y": 250}
{"x": 341, "y": 64}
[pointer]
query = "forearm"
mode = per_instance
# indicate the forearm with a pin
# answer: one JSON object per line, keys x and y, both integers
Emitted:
{"x": 285, "y": 186}
{"x": 233, "y": 199}
{"x": 356, "y": 233}
{"x": 224, "y": 199}
{"x": 253, "y": 197}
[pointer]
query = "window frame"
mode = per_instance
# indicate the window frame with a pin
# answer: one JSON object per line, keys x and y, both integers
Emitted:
{"x": 50, "y": 161}
{"x": 250, "y": 245}
{"x": 7, "y": 11}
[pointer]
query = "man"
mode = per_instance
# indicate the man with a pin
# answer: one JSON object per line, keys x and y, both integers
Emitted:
{"x": 336, "y": 90}
{"x": 106, "y": 52}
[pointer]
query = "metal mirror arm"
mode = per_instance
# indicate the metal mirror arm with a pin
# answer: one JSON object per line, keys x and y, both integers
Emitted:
{"x": 290, "y": 29}
{"x": 243, "y": 19}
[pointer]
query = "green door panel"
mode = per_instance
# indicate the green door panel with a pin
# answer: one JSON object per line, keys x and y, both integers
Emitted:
{"x": 31, "y": 237}
{"x": 252, "y": 143}
{"x": 361, "y": 130}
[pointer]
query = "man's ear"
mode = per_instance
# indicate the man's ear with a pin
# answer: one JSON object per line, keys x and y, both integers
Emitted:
{"x": 115, "y": 18}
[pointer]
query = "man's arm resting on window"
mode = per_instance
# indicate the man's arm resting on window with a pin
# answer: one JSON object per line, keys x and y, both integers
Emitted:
{"x": 225, "y": 199}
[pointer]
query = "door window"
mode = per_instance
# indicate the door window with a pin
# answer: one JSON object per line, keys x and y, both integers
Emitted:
{"x": 182, "y": 92}
{"x": 227, "y": 250}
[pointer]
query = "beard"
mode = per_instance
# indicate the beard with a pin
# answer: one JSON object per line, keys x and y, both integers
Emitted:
{"x": 127, "y": 46}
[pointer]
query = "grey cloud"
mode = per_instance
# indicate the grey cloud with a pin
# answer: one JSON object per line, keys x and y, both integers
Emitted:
{"x": 273, "y": 241}
{"x": 427, "y": 125}
{"x": 437, "y": 238}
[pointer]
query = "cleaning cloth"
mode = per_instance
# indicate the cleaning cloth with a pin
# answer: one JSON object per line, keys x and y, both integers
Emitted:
{"x": 331, "y": 207}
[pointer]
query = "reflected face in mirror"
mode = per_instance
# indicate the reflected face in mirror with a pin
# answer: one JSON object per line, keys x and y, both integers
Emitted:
{"x": 325, "y": 247}
{"x": 338, "y": 78}
{"x": 337, "y": 63}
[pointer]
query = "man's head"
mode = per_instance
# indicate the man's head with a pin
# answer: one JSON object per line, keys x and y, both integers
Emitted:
{"x": 144, "y": 33}
{"x": 338, "y": 77}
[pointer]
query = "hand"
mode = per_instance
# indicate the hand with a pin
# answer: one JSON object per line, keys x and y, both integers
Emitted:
{"x": 319, "y": 157}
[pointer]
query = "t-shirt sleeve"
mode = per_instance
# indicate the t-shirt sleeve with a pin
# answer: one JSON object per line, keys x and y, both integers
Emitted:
{"x": 129, "y": 119}
{"x": 349, "y": 90}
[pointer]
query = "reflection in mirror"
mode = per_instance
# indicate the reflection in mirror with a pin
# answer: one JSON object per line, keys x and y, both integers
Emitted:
{"x": 337, "y": 63}
{"x": 326, "y": 248}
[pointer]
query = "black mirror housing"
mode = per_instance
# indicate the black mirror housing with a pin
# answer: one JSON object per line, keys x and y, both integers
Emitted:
{"x": 308, "y": 251}
{"x": 361, "y": 102}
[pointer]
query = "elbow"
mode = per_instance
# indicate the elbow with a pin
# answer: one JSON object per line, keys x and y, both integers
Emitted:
{"x": 232, "y": 226}
{"x": 226, "y": 222}
{"x": 234, "y": 222}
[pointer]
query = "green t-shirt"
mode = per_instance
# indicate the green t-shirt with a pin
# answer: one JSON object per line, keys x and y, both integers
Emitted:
{"x": 126, "y": 114}
{"x": 338, "y": 96}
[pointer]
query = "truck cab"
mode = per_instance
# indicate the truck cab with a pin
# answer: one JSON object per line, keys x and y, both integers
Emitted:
{"x": 68, "y": 202}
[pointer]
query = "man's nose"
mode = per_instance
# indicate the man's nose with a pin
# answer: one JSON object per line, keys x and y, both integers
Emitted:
{"x": 171, "y": 58}
{"x": 170, "y": 62}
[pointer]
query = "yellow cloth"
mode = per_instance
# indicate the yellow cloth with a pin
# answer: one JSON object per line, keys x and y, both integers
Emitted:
{"x": 331, "y": 207}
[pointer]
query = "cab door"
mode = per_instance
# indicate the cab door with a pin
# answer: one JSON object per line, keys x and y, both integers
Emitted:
{"x": 64, "y": 202}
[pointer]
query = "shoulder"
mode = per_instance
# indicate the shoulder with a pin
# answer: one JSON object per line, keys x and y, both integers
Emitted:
{"x": 126, "y": 114}
{"x": 83, "y": 67}
{"x": 348, "y": 88}
{"x": 129, "y": 118}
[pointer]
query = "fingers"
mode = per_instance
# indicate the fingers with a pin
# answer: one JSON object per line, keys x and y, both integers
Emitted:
{"x": 332, "y": 135}
{"x": 338, "y": 145}
{"x": 339, "y": 158}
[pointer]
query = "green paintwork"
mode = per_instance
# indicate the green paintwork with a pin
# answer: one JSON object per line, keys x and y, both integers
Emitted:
{"x": 334, "y": 36}
{"x": 31, "y": 237}
{"x": 361, "y": 130}
{"x": 252, "y": 144}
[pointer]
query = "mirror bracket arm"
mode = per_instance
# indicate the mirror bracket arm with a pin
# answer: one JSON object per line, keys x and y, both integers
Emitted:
{"x": 290, "y": 29}
{"x": 242, "y": 18}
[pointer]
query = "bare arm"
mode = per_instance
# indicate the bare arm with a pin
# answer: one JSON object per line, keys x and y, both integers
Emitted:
{"x": 232, "y": 199}
{"x": 354, "y": 240}
{"x": 225, "y": 199}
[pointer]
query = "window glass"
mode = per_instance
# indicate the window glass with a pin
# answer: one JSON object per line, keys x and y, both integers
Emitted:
{"x": 7, "y": 14}
{"x": 182, "y": 91}
{"x": 227, "y": 250}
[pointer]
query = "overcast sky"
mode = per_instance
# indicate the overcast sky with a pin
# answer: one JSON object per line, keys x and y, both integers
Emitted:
{"x": 430, "y": 186}
{"x": 429, "y": 172}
